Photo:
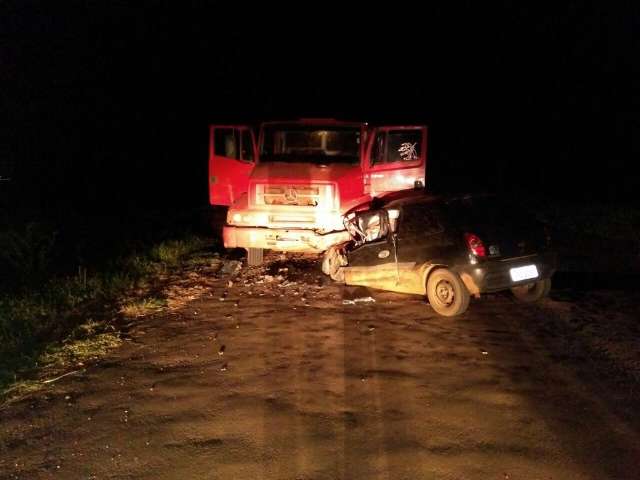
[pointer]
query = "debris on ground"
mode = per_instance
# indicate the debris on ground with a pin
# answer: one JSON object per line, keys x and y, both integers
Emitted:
{"x": 358, "y": 300}
{"x": 230, "y": 267}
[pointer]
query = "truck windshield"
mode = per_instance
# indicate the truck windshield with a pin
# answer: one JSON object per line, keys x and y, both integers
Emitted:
{"x": 315, "y": 144}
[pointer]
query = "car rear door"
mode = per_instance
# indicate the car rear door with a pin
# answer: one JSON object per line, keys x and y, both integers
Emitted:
{"x": 232, "y": 156}
{"x": 395, "y": 159}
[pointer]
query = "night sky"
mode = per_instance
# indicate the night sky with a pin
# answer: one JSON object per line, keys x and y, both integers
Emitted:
{"x": 106, "y": 104}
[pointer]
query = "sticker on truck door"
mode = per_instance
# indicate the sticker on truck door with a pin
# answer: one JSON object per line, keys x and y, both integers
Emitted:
{"x": 408, "y": 151}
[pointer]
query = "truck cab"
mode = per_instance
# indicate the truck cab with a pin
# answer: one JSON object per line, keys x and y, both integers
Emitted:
{"x": 288, "y": 189}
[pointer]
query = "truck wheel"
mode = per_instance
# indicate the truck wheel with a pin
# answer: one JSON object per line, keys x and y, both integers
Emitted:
{"x": 446, "y": 293}
{"x": 255, "y": 256}
{"x": 532, "y": 292}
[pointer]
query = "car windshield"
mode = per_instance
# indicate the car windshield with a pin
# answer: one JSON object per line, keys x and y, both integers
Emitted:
{"x": 316, "y": 144}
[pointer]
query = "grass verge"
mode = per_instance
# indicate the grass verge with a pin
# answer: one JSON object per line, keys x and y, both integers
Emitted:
{"x": 69, "y": 320}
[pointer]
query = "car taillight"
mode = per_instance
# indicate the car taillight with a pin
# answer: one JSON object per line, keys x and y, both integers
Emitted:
{"x": 475, "y": 245}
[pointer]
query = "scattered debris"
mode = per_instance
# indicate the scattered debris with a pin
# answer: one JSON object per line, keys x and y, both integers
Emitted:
{"x": 231, "y": 267}
{"x": 51, "y": 380}
{"x": 358, "y": 300}
{"x": 223, "y": 368}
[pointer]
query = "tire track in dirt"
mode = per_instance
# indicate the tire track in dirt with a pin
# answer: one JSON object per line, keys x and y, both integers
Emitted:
{"x": 314, "y": 389}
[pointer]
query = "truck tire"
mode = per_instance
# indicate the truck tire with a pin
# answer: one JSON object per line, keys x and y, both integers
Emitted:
{"x": 532, "y": 292}
{"x": 447, "y": 294}
{"x": 255, "y": 256}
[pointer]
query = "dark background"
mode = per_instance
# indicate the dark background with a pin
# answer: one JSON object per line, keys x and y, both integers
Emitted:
{"x": 105, "y": 105}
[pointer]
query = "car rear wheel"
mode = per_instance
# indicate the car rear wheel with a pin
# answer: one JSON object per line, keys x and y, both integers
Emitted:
{"x": 532, "y": 292}
{"x": 255, "y": 256}
{"x": 446, "y": 293}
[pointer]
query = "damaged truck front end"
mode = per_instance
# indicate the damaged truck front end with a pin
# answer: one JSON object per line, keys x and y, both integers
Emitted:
{"x": 289, "y": 190}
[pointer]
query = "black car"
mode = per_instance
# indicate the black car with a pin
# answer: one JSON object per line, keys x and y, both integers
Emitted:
{"x": 447, "y": 248}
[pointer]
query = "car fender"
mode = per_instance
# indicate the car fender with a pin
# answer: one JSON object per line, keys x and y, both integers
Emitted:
{"x": 425, "y": 269}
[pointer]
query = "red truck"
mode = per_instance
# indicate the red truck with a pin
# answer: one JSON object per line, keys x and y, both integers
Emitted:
{"x": 289, "y": 190}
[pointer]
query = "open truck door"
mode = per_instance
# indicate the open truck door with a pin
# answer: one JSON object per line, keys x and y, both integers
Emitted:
{"x": 232, "y": 156}
{"x": 395, "y": 159}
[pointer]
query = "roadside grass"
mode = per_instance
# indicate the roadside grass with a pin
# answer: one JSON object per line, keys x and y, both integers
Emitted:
{"x": 142, "y": 307}
{"x": 49, "y": 323}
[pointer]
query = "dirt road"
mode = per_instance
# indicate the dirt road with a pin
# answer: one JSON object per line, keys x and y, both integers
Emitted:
{"x": 284, "y": 380}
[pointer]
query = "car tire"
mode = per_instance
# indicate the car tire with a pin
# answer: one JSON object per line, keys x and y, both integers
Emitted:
{"x": 255, "y": 256}
{"x": 332, "y": 264}
{"x": 532, "y": 292}
{"x": 447, "y": 294}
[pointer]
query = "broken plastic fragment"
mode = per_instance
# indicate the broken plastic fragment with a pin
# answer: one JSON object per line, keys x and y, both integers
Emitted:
{"x": 359, "y": 300}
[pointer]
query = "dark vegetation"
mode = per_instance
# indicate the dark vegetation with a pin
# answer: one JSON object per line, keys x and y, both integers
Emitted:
{"x": 65, "y": 275}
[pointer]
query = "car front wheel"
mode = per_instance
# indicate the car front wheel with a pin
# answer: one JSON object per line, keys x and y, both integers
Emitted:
{"x": 332, "y": 264}
{"x": 532, "y": 292}
{"x": 446, "y": 293}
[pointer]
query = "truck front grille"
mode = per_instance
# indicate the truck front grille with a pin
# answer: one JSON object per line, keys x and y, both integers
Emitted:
{"x": 300, "y": 195}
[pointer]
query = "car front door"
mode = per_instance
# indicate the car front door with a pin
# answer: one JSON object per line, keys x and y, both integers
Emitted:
{"x": 395, "y": 159}
{"x": 420, "y": 234}
{"x": 232, "y": 156}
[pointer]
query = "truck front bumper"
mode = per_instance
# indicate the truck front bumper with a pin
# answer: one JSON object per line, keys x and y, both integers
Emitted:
{"x": 285, "y": 240}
